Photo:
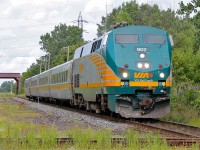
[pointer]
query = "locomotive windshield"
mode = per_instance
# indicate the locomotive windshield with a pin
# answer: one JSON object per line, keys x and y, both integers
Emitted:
{"x": 126, "y": 38}
{"x": 153, "y": 39}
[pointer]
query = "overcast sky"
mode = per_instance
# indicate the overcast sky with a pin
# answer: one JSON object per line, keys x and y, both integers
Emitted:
{"x": 24, "y": 21}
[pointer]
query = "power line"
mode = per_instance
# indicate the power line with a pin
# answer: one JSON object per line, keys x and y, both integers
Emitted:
{"x": 18, "y": 47}
{"x": 36, "y": 25}
{"x": 16, "y": 38}
{"x": 80, "y": 22}
{"x": 20, "y": 56}
{"x": 52, "y": 23}
{"x": 16, "y": 63}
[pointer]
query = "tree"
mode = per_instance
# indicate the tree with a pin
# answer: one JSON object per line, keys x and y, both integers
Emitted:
{"x": 62, "y": 36}
{"x": 191, "y": 11}
{"x": 62, "y": 56}
{"x": 185, "y": 66}
{"x": 123, "y": 17}
{"x": 143, "y": 14}
{"x": 55, "y": 43}
{"x": 6, "y": 87}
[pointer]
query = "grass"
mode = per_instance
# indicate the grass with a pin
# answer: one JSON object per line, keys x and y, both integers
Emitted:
{"x": 18, "y": 133}
{"x": 183, "y": 114}
{"x": 16, "y": 111}
{"x": 82, "y": 140}
{"x": 194, "y": 122}
{"x": 184, "y": 104}
{"x": 10, "y": 95}
{"x": 7, "y": 95}
{"x": 186, "y": 115}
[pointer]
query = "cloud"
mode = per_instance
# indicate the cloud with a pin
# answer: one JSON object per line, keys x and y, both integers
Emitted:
{"x": 6, "y": 11}
{"x": 16, "y": 3}
{"x": 5, "y": 33}
{"x": 39, "y": 15}
{"x": 53, "y": 14}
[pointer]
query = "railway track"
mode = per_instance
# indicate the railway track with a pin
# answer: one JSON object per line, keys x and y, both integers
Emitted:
{"x": 122, "y": 141}
{"x": 186, "y": 129}
{"x": 172, "y": 132}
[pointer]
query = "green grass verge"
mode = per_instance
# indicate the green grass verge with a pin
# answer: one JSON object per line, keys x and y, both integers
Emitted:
{"x": 18, "y": 133}
{"x": 7, "y": 95}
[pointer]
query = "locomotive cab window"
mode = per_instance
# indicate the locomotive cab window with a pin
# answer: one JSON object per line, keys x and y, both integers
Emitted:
{"x": 126, "y": 39}
{"x": 96, "y": 45}
{"x": 81, "y": 52}
{"x": 153, "y": 39}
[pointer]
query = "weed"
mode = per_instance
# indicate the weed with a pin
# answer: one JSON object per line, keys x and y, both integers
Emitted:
{"x": 184, "y": 103}
{"x": 24, "y": 135}
{"x": 48, "y": 136}
{"x": 132, "y": 139}
{"x": 195, "y": 122}
{"x": 22, "y": 105}
{"x": 6, "y": 95}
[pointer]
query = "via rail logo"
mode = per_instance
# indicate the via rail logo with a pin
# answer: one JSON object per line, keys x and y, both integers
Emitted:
{"x": 141, "y": 75}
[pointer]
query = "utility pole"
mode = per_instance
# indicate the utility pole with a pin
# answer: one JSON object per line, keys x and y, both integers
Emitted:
{"x": 106, "y": 17}
{"x": 67, "y": 53}
{"x": 49, "y": 61}
{"x": 45, "y": 62}
{"x": 80, "y": 22}
{"x": 40, "y": 67}
{"x": 11, "y": 87}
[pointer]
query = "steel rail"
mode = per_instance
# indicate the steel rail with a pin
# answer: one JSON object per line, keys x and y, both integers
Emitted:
{"x": 184, "y": 127}
{"x": 122, "y": 141}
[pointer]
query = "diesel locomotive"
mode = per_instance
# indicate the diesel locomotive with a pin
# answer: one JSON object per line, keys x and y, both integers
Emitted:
{"x": 126, "y": 71}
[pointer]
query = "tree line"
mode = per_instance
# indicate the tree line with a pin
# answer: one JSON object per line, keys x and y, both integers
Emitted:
{"x": 8, "y": 86}
{"x": 183, "y": 25}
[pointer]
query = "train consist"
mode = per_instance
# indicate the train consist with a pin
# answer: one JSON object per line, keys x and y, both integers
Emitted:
{"x": 126, "y": 71}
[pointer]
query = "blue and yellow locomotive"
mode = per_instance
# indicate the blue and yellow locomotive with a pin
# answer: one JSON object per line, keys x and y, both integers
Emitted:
{"x": 126, "y": 71}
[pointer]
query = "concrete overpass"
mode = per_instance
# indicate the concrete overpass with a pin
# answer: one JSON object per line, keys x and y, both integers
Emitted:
{"x": 15, "y": 76}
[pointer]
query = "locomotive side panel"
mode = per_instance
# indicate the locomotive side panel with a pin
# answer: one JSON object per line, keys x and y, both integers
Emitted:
{"x": 87, "y": 81}
{"x": 86, "y": 78}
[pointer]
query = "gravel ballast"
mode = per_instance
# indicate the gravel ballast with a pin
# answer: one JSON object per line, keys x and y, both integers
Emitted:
{"x": 65, "y": 120}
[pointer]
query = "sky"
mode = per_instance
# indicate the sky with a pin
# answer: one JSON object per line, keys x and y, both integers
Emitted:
{"x": 24, "y": 21}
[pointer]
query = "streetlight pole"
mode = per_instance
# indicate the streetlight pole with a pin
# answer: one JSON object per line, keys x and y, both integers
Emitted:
{"x": 49, "y": 61}
{"x": 45, "y": 63}
{"x": 40, "y": 67}
{"x": 68, "y": 53}
{"x": 11, "y": 87}
{"x": 106, "y": 17}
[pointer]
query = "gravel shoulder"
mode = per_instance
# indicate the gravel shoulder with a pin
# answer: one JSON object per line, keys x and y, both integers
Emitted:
{"x": 67, "y": 120}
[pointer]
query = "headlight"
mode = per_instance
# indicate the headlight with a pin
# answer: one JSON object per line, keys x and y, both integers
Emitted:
{"x": 125, "y": 74}
{"x": 162, "y": 75}
{"x": 142, "y": 55}
{"x": 139, "y": 65}
{"x": 146, "y": 65}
